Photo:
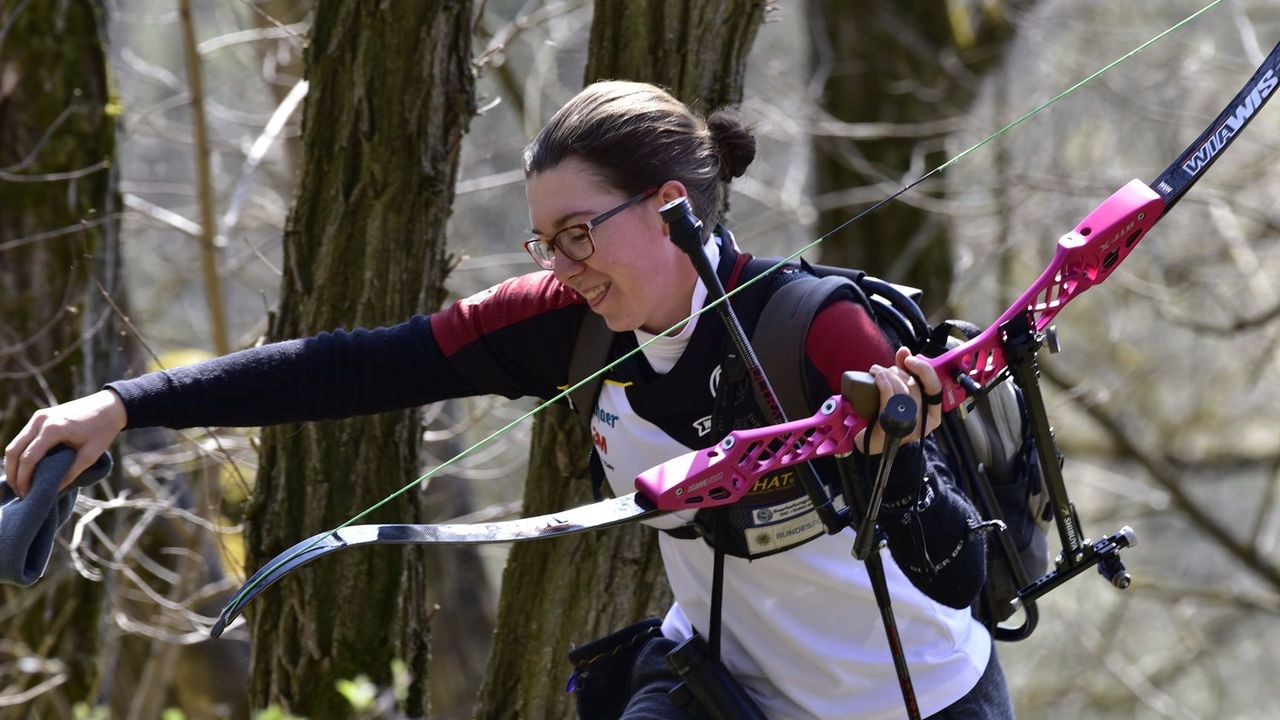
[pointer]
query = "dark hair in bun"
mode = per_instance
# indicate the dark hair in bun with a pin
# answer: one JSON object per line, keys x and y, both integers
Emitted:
{"x": 734, "y": 142}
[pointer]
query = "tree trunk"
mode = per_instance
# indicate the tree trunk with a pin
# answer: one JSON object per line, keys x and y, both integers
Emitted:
{"x": 575, "y": 589}
{"x": 910, "y": 63}
{"x": 391, "y": 95}
{"x": 59, "y": 338}
{"x": 697, "y": 50}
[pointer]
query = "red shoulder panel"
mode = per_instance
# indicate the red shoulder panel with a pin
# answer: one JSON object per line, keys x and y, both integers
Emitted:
{"x": 843, "y": 337}
{"x": 507, "y": 303}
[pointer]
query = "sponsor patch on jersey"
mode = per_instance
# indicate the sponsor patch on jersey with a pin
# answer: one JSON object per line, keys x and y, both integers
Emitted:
{"x": 771, "y": 537}
{"x": 606, "y": 417}
{"x": 784, "y": 525}
{"x": 778, "y": 513}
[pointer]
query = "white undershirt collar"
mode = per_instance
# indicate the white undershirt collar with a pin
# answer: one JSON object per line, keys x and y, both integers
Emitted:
{"x": 665, "y": 351}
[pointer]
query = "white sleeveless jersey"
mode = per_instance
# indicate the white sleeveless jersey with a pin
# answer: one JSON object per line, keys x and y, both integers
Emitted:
{"x": 801, "y": 629}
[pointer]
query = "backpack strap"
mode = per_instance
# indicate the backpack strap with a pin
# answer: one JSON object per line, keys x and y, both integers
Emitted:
{"x": 795, "y": 297}
{"x": 590, "y": 352}
{"x": 781, "y": 334}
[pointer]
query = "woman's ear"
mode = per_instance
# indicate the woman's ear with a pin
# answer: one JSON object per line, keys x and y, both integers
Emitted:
{"x": 668, "y": 191}
{"x": 671, "y": 190}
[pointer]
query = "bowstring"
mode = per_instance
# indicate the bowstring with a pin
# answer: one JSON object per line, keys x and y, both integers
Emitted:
{"x": 564, "y": 394}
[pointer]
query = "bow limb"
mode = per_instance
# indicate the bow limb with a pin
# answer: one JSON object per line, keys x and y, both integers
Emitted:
{"x": 295, "y": 557}
{"x": 617, "y": 511}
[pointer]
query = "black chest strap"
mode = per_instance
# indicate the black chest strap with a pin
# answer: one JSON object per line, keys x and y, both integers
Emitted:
{"x": 590, "y": 352}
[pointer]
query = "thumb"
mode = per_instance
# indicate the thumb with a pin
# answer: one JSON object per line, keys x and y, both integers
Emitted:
{"x": 900, "y": 357}
{"x": 86, "y": 456}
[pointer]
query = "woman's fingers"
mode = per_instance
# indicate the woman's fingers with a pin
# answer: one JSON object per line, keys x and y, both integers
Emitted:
{"x": 917, "y": 367}
{"x": 930, "y": 383}
{"x": 88, "y": 424}
{"x": 911, "y": 375}
{"x": 18, "y": 451}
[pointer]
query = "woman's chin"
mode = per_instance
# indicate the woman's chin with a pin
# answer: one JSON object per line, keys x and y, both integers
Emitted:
{"x": 619, "y": 324}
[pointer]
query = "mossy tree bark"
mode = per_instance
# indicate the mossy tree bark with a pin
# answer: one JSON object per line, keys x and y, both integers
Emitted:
{"x": 575, "y": 589}
{"x": 913, "y": 64}
{"x": 391, "y": 96}
{"x": 59, "y": 338}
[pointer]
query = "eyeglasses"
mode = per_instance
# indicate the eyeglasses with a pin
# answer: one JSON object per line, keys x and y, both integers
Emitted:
{"x": 575, "y": 242}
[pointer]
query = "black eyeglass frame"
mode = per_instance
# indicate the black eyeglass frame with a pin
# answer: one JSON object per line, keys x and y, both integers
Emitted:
{"x": 548, "y": 263}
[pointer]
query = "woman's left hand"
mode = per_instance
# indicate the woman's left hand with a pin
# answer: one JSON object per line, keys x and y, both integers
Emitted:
{"x": 897, "y": 380}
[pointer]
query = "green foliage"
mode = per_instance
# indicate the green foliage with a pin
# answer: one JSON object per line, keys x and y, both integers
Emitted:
{"x": 360, "y": 692}
{"x": 371, "y": 701}
{"x": 401, "y": 680}
{"x": 173, "y": 714}
{"x": 83, "y": 711}
{"x": 274, "y": 712}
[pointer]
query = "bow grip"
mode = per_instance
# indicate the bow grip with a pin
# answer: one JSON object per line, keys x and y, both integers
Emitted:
{"x": 1085, "y": 257}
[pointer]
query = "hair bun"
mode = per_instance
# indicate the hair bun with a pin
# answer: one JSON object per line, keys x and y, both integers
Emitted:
{"x": 734, "y": 143}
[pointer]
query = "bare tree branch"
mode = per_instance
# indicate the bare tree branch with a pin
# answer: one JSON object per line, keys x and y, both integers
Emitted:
{"x": 1166, "y": 476}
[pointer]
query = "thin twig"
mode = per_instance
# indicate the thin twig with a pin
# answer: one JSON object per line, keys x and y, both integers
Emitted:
{"x": 1268, "y": 518}
{"x": 250, "y": 36}
{"x": 1139, "y": 684}
{"x": 34, "y": 691}
{"x": 1269, "y": 604}
{"x": 258, "y": 150}
{"x": 56, "y": 176}
{"x": 67, "y": 112}
{"x": 163, "y": 215}
{"x": 204, "y": 184}
{"x": 533, "y": 13}
{"x": 293, "y": 37}
{"x": 59, "y": 355}
{"x": 59, "y": 232}
{"x": 9, "y": 21}
{"x": 156, "y": 359}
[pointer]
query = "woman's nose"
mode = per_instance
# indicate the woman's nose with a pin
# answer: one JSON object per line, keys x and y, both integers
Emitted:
{"x": 565, "y": 267}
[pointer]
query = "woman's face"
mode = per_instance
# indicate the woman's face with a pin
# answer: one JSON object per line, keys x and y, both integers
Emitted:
{"x": 636, "y": 278}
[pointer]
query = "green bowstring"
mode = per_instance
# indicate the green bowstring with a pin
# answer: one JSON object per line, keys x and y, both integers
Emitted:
{"x": 667, "y": 333}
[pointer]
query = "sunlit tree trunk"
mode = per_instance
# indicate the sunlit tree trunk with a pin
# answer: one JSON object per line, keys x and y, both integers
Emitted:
{"x": 391, "y": 95}
{"x": 575, "y": 589}
{"x": 59, "y": 338}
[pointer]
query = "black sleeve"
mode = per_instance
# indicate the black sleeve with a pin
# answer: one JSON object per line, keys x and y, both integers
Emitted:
{"x": 331, "y": 375}
{"x": 925, "y": 516}
{"x": 513, "y": 339}
{"x": 929, "y": 525}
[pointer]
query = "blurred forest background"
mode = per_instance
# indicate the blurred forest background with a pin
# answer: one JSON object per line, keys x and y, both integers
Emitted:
{"x": 179, "y": 180}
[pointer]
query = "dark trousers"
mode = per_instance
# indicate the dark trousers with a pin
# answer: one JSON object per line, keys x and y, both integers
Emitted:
{"x": 641, "y": 676}
{"x": 988, "y": 700}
